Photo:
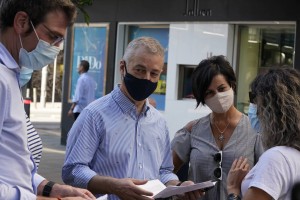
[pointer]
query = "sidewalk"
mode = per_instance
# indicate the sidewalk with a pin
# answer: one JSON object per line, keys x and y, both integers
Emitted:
{"x": 46, "y": 120}
{"x": 47, "y": 117}
{"x": 53, "y": 155}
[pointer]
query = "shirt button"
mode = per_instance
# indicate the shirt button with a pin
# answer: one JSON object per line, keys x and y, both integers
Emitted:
{"x": 140, "y": 144}
{"x": 140, "y": 166}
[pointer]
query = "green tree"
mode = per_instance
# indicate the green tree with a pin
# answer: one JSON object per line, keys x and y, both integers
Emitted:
{"x": 80, "y": 5}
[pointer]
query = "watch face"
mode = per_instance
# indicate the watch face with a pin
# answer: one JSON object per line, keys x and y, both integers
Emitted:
{"x": 233, "y": 196}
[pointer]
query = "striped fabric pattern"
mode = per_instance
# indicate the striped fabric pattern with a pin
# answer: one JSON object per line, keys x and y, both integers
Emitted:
{"x": 35, "y": 145}
{"x": 109, "y": 139}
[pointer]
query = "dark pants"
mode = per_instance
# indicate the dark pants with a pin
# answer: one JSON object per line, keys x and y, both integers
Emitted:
{"x": 76, "y": 115}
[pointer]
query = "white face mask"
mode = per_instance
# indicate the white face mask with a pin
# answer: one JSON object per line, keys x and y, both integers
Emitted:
{"x": 42, "y": 55}
{"x": 220, "y": 102}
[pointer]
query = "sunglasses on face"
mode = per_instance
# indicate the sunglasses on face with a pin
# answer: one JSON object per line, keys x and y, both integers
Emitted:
{"x": 218, "y": 170}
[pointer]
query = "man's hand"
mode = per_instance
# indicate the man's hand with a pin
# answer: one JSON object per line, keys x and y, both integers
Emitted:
{"x": 237, "y": 172}
{"x": 127, "y": 189}
{"x": 194, "y": 195}
{"x": 69, "y": 191}
{"x": 70, "y": 113}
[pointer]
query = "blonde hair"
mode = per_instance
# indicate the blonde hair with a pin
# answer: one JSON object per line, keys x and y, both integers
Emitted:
{"x": 278, "y": 107}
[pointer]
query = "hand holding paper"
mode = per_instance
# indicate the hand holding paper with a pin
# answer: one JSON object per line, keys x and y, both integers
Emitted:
{"x": 161, "y": 191}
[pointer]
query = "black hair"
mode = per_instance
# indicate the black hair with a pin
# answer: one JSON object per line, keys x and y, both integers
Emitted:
{"x": 206, "y": 71}
{"x": 85, "y": 64}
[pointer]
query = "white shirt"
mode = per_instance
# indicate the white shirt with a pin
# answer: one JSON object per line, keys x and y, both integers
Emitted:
{"x": 277, "y": 170}
{"x": 17, "y": 167}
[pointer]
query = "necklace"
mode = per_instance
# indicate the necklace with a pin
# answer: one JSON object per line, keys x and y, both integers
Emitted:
{"x": 221, "y": 135}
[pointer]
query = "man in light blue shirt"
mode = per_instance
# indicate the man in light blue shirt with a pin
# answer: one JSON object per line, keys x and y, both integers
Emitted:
{"x": 120, "y": 141}
{"x": 31, "y": 32}
{"x": 85, "y": 90}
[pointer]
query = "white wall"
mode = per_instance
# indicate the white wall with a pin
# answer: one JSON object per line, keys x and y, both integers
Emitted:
{"x": 189, "y": 43}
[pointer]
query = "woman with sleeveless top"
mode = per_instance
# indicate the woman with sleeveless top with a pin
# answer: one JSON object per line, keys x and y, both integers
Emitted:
{"x": 211, "y": 144}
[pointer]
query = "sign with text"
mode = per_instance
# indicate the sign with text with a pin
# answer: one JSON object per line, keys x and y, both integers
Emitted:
{"x": 90, "y": 43}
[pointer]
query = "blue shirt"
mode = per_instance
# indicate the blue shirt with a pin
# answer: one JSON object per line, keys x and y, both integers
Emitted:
{"x": 110, "y": 139}
{"x": 17, "y": 168}
{"x": 84, "y": 92}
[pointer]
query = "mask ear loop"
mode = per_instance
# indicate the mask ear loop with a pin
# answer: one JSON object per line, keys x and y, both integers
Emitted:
{"x": 21, "y": 42}
{"x": 34, "y": 30}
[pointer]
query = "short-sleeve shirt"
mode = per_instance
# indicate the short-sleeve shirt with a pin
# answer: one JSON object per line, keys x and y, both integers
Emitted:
{"x": 199, "y": 148}
{"x": 276, "y": 172}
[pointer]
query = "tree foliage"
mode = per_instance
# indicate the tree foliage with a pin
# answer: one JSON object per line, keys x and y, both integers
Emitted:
{"x": 80, "y": 5}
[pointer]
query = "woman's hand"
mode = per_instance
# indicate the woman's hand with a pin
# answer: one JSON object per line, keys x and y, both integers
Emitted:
{"x": 238, "y": 171}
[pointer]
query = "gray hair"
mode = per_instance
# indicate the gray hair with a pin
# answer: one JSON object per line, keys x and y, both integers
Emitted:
{"x": 148, "y": 43}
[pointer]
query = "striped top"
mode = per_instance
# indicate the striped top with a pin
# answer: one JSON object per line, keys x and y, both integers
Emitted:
{"x": 199, "y": 148}
{"x": 35, "y": 145}
{"x": 109, "y": 139}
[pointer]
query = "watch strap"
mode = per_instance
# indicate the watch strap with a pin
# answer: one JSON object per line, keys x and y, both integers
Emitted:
{"x": 48, "y": 188}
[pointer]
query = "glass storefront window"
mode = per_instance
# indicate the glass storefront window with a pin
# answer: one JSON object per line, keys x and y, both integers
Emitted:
{"x": 261, "y": 47}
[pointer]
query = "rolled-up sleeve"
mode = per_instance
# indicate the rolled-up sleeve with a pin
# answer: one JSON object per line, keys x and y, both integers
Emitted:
{"x": 83, "y": 141}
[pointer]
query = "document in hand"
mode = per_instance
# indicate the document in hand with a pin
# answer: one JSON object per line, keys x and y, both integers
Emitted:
{"x": 161, "y": 191}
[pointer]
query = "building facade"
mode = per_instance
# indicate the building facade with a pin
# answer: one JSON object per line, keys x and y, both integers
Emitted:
{"x": 254, "y": 36}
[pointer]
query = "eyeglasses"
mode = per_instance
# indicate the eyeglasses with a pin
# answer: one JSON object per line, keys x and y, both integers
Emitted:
{"x": 218, "y": 160}
{"x": 56, "y": 39}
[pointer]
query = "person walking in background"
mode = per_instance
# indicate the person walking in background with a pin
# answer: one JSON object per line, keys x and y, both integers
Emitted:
{"x": 31, "y": 32}
{"x": 120, "y": 141}
{"x": 210, "y": 144}
{"x": 277, "y": 171}
{"x": 85, "y": 90}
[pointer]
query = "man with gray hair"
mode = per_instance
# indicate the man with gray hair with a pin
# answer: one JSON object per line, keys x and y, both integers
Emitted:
{"x": 119, "y": 141}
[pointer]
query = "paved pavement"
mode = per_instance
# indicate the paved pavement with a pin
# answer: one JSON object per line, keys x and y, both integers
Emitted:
{"x": 46, "y": 119}
{"x": 53, "y": 155}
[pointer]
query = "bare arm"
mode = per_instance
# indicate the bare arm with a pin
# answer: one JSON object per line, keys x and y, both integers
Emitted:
{"x": 256, "y": 193}
{"x": 177, "y": 162}
{"x": 59, "y": 190}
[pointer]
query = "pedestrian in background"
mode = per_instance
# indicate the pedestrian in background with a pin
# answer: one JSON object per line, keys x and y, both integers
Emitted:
{"x": 85, "y": 90}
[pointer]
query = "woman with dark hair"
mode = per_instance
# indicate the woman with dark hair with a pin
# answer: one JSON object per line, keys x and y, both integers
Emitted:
{"x": 278, "y": 106}
{"x": 210, "y": 144}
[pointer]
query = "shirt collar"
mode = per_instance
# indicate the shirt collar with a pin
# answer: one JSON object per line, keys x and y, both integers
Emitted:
{"x": 124, "y": 102}
{"x": 7, "y": 60}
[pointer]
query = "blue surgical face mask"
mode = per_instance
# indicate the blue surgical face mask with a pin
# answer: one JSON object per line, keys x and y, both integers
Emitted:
{"x": 42, "y": 55}
{"x": 252, "y": 114}
{"x": 139, "y": 89}
{"x": 25, "y": 76}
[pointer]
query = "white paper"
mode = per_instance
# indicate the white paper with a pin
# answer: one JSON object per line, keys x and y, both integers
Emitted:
{"x": 102, "y": 197}
{"x": 154, "y": 186}
{"x": 161, "y": 191}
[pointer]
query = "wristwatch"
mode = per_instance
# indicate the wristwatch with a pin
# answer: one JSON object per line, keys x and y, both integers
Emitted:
{"x": 233, "y": 196}
{"x": 47, "y": 189}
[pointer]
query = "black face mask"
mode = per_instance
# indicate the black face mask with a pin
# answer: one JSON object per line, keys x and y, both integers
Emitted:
{"x": 139, "y": 89}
